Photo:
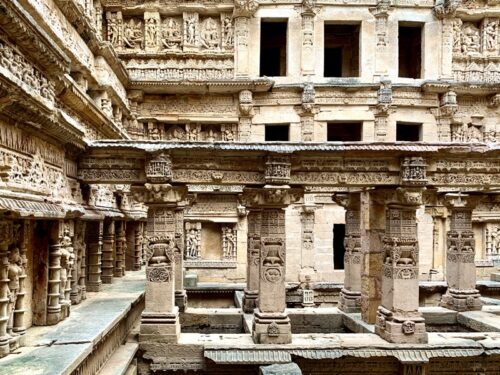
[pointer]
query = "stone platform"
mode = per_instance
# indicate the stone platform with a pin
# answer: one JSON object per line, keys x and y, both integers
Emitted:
{"x": 93, "y": 332}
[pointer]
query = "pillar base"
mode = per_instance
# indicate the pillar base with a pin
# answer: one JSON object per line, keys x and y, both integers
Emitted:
{"x": 107, "y": 279}
{"x": 4, "y": 345}
{"x": 15, "y": 342}
{"x": 94, "y": 286}
{"x": 461, "y": 300}
{"x": 400, "y": 329}
{"x": 271, "y": 328}
{"x": 350, "y": 301}
{"x": 160, "y": 327}
{"x": 250, "y": 300}
{"x": 53, "y": 315}
{"x": 181, "y": 300}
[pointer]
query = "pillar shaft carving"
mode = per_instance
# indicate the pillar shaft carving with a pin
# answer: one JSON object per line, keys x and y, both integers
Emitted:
{"x": 350, "y": 295}
{"x": 254, "y": 220}
{"x": 6, "y": 235}
{"x": 462, "y": 294}
{"x": 307, "y": 58}
{"x": 243, "y": 10}
{"x": 398, "y": 319}
{"x": 19, "y": 327}
{"x": 120, "y": 249}
{"x": 67, "y": 261}
{"x": 78, "y": 288}
{"x": 95, "y": 245}
{"x": 138, "y": 243}
{"x": 108, "y": 252}
{"x": 54, "y": 283}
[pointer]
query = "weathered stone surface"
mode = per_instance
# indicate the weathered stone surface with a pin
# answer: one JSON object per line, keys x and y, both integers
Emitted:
{"x": 281, "y": 369}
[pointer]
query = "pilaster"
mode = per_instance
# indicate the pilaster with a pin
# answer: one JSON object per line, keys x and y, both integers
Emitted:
{"x": 398, "y": 318}
{"x": 6, "y": 234}
{"x": 243, "y": 10}
{"x": 307, "y": 52}
{"x": 350, "y": 295}
{"x": 108, "y": 251}
{"x": 94, "y": 244}
{"x": 54, "y": 288}
{"x": 251, "y": 292}
{"x": 462, "y": 294}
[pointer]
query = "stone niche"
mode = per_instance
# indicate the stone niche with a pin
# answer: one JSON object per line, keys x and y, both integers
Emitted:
{"x": 210, "y": 244}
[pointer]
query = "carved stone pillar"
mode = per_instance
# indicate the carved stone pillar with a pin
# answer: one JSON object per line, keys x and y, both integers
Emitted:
{"x": 108, "y": 246}
{"x": 246, "y": 113}
{"x": 462, "y": 294}
{"x": 307, "y": 112}
{"x": 94, "y": 245}
{"x": 67, "y": 261}
{"x": 120, "y": 246}
{"x": 445, "y": 10}
{"x": 382, "y": 53}
{"x": 383, "y": 109}
{"x": 19, "y": 327}
{"x": 253, "y": 260}
{"x": 6, "y": 234}
{"x": 160, "y": 318}
{"x": 138, "y": 245}
{"x": 307, "y": 220}
{"x": 79, "y": 247}
{"x": 372, "y": 227}
{"x": 54, "y": 289}
{"x": 398, "y": 318}
{"x": 350, "y": 295}
{"x": 307, "y": 52}
{"x": 82, "y": 277}
{"x": 243, "y": 10}
{"x": 180, "y": 292}
{"x": 271, "y": 323}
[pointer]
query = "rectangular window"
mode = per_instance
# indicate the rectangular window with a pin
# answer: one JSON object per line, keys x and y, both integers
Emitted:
{"x": 277, "y": 133}
{"x": 338, "y": 246}
{"x": 273, "y": 48}
{"x": 344, "y": 132}
{"x": 341, "y": 51}
{"x": 408, "y": 132}
{"x": 410, "y": 51}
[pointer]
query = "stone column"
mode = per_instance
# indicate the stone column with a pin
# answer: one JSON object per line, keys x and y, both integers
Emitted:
{"x": 180, "y": 292}
{"x": 120, "y": 244}
{"x": 241, "y": 15}
{"x": 6, "y": 235}
{"x": 372, "y": 227}
{"x": 19, "y": 325}
{"x": 138, "y": 246}
{"x": 350, "y": 295}
{"x": 398, "y": 318}
{"x": 307, "y": 220}
{"x": 307, "y": 52}
{"x": 54, "y": 289}
{"x": 462, "y": 294}
{"x": 160, "y": 318}
{"x": 271, "y": 323}
{"x": 78, "y": 274}
{"x": 94, "y": 244}
{"x": 246, "y": 113}
{"x": 253, "y": 254}
{"x": 108, "y": 245}
{"x": 82, "y": 281}
{"x": 382, "y": 55}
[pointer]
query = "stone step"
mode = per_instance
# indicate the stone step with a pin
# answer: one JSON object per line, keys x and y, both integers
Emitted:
{"x": 122, "y": 361}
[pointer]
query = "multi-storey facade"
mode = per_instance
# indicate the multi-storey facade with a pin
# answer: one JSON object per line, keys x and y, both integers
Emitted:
{"x": 286, "y": 145}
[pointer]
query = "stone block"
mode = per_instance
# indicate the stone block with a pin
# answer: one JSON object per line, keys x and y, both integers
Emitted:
{"x": 280, "y": 369}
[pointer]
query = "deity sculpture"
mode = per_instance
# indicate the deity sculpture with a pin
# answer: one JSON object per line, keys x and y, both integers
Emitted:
{"x": 227, "y": 27}
{"x": 67, "y": 262}
{"x": 210, "y": 34}
{"x": 191, "y": 30}
{"x": 171, "y": 34}
{"x": 192, "y": 244}
{"x": 491, "y": 33}
{"x": 229, "y": 243}
{"x": 133, "y": 35}
{"x": 151, "y": 32}
{"x": 15, "y": 270}
{"x": 470, "y": 39}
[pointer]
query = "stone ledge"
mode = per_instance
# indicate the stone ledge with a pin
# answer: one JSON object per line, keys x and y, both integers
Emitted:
{"x": 85, "y": 340}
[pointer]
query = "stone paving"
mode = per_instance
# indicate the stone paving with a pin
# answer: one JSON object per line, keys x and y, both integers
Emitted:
{"x": 53, "y": 350}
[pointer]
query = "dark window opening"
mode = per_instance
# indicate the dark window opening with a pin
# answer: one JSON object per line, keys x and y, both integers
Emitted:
{"x": 344, "y": 132}
{"x": 341, "y": 51}
{"x": 410, "y": 51}
{"x": 276, "y": 133}
{"x": 273, "y": 48}
{"x": 338, "y": 246}
{"x": 408, "y": 132}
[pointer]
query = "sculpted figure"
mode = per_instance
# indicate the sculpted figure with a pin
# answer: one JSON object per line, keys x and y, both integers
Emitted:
{"x": 171, "y": 35}
{"x": 230, "y": 243}
{"x": 191, "y": 30}
{"x": 192, "y": 244}
{"x": 491, "y": 32}
{"x": 151, "y": 32}
{"x": 228, "y": 31}
{"x": 133, "y": 35}
{"x": 113, "y": 33}
{"x": 210, "y": 34}
{"x": 15, "y": 270}
{"x": 470, "y": 39}
{"x": 495, "y": 240}
{"x": 67, "y": 262}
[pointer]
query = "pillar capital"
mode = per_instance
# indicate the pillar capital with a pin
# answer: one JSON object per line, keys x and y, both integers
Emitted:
{"x": 271, "y": 196}
{"x": 245, "y": 8}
